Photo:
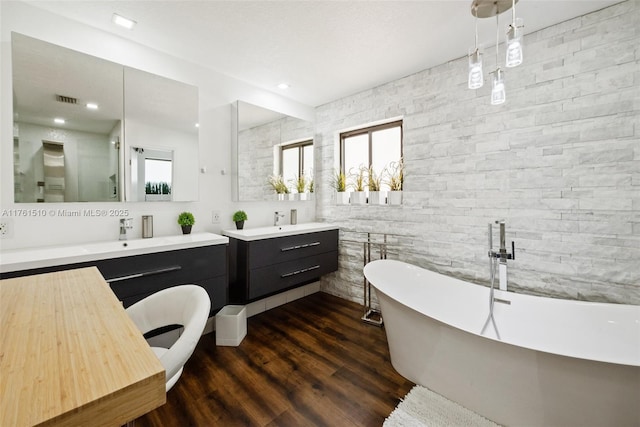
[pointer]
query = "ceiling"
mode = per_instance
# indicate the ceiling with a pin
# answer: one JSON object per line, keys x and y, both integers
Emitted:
{"x": 324, "y": 50}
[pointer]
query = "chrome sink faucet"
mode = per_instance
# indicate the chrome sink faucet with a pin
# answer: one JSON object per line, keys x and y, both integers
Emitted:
{"x": 277, "y": 215}
{"x": 125, "y": 224}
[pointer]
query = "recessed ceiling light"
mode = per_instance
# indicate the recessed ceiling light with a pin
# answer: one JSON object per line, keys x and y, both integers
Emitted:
{"x": 92, "y": 106}
{"x": 59, "y": 121}
{"x": 123, "y": 22}
{"x": 283, "y": 86}
{"x": 197, "y": 125}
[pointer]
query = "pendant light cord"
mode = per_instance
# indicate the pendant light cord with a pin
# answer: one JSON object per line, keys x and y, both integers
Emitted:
{"x": 476, "y": 15}
{"x": 497, "y": 39}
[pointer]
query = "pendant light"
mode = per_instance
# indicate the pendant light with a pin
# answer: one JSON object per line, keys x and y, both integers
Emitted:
{"x": 476, "y": 77}
{"x": 498, "y": 94}
{"x": 514, "y": 39}
{"x": 487, "y": 9}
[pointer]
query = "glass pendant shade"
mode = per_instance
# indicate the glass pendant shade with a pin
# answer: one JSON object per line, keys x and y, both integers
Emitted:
{"x": 514, "y": 43}
{"x": 498, "y": 95}
{"x": 476, "y": 77}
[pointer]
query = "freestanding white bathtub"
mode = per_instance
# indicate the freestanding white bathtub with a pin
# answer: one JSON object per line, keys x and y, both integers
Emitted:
{"x": 558, "y": 362}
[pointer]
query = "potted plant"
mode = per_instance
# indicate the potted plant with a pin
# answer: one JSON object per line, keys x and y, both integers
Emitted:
{"x": 376, "y": 197}
{"x": 396, "y": 182}
{"x": 186, "y": 221}
{"x": 301, "y": 186}
{"x": 340, "y": 185}
{"x": 358, "y": 197}
{"x": 239, "y": 218}
{"x": 279, "y": 186}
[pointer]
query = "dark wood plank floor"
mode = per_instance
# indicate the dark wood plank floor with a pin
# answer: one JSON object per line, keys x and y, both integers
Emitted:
{"x": 311, "y": 362}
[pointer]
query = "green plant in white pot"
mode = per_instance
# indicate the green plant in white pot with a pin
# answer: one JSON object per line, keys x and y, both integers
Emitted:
{"x": 339, "y": 183}
{"x": 396, "y": 182}
{"x": 376, "y": 195}
{"x": 301, "y": 187}
{"x": 358, "y": 182}
{"x": 279, "y": 186}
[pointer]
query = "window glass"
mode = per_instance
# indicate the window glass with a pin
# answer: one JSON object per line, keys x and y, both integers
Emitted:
{"x": 157, "y": 176}
{"x": 290, "y": 163}
{"x": 356, "y": 153}
{"x": 307, "y": 157}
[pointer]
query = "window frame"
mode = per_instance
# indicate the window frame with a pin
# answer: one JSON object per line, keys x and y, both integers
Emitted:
{"x": 300, "y": 147}
{"x": 369, "y": 130}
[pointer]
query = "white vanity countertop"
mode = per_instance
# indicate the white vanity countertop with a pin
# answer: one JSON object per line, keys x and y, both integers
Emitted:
{"x": 47, "y": 256}
{"x": 279, "y": 231}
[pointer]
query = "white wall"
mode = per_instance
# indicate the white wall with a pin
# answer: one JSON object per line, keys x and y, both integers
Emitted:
{"x": 216, "y": 91}
{"x": 559, "y": 161}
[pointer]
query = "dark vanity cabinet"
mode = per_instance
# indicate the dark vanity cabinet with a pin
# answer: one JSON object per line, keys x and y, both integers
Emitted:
{"x": 259, "y": 268}
{"x": 134, "y": 277}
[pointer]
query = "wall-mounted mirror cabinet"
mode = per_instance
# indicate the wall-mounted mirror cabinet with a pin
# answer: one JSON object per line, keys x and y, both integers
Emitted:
{"x": 77, "y": 118}
{"x": 268, "y": 144}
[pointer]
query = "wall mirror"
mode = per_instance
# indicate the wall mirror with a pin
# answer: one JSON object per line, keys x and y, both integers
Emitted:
{"x": 81, "y": 156}
{"x": 269, "y": 144}
{"x": 67, "y": 129}
{"x": 161, "y": 136}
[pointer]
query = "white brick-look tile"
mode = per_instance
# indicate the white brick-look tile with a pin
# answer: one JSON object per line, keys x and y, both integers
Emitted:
{"x": 559, "y": 161}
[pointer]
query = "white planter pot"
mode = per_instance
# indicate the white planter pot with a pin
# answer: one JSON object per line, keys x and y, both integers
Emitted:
{"x": 342, "y": 198}
{"x": 395, "y": 197}
{"x": 377, "y": 197}
{"x": 157, "y": 197}
{"x": 358, "y": 198}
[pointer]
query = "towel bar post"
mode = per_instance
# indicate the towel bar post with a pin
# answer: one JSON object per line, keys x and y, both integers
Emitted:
{"x": 371, "y": 315}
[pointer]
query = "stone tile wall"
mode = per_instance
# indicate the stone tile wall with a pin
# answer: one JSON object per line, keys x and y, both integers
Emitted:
{"x": 559, "y": 161}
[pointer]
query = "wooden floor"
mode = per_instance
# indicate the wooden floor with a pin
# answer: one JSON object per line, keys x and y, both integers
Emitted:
{"x": 311, "y": 362}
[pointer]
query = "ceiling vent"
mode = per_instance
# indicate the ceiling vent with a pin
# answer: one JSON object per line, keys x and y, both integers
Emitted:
{"x": 66, "y": 99}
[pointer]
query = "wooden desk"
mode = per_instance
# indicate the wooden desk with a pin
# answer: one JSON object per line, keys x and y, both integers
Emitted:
{"x": 70, "y": 355}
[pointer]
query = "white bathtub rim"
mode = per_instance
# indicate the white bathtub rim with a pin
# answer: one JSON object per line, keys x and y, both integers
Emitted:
{"x": 382, "y": 273}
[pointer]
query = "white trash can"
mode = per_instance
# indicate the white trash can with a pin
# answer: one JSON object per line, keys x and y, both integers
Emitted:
{"x": 231, "y": 325}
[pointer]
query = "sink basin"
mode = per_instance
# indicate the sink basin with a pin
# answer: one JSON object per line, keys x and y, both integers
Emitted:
{"x": 278, "y": 231}
{"x": 30, "y": 258}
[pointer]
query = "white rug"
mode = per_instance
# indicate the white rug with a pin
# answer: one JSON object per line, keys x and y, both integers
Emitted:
{"x": 422, "y": 407}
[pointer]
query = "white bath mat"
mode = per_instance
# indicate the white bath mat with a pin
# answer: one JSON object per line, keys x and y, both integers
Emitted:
{"x": 422, "y": 407}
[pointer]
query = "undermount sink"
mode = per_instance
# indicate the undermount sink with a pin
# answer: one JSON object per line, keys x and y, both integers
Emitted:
{"x": 29, "y": 258}
{"x": 278, "y": 231}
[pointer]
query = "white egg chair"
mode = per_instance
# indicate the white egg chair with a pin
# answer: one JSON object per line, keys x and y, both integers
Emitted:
{"x": 185, "y": 305}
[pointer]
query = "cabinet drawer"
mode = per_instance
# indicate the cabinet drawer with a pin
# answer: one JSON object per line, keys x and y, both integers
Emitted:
{"x": 274, "y": 278}
{"x": 141, "y": 274}
{"x": 215, "y": 287}
{"x": 272, "y": 251}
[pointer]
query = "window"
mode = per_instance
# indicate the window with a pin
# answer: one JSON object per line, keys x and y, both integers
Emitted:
{"x": 296, "y": 160}
{"x": 157, "y": 176}
{"x": 375, "y": 147}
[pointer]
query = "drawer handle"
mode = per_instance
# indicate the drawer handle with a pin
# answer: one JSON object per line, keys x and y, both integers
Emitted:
{"x": 306, "y": 245}
{"x": 145, "y": 273}
{"x": 304, "y": 270}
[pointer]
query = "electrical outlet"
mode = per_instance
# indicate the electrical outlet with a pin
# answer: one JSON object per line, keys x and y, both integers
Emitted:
{"x": 215, "y": 217}
{"x": 6, "y": 228}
